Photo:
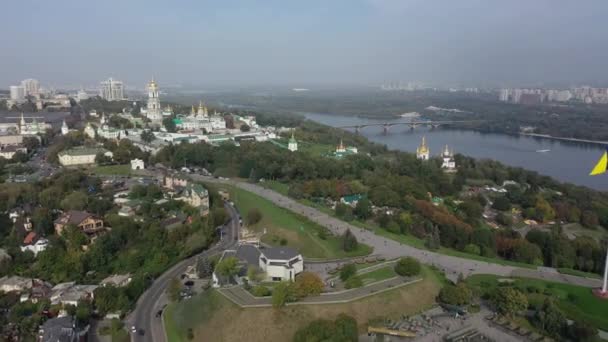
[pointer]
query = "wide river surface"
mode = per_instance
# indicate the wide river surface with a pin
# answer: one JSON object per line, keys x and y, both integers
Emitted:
{"x": 565, "y": 161}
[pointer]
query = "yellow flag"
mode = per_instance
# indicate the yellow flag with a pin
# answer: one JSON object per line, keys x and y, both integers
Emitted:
{"x": 600, "y": 167}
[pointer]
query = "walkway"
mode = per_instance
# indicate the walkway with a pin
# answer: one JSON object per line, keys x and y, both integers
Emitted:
{"x": 243, "y": 298}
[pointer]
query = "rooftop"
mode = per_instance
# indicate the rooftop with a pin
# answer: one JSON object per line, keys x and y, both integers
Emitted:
{"x": 280, "y": 253}
{"x": 83, "y": 151}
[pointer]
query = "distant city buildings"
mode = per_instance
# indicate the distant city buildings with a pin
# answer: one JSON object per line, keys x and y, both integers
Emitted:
{"x": 31, "y": 87}
{"x": 112, "y": 90}
{"x": 583, "y": 94}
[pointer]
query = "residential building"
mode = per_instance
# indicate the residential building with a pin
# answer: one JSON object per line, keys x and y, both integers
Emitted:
{"x": 112, "y": 90}
{"x": 8, "y": 152}
{"x": 88, "y": 223}
{"x": 423, "y": 152}
{"x": 62, "y": 329}
{"x": 70, "y": 294}
{"x": 17, "y": 93}
{"x": 15, "y": 284}
{"x": 137, "y": 164}
{"x": 197, "y": 196}
{"x": 117, "y": 280}
{"x": 81, "y": 156}
{"x": 34, "y": 243}
{"x": 31, "y": 87}
{"x": 11, "y": 139}
{"x": 153, "y": 109}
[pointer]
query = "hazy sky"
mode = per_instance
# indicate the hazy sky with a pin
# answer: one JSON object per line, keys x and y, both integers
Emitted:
{"x": 247, "y": 42}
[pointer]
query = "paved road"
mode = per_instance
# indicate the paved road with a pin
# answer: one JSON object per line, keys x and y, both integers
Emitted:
{"x": 144, "y": 315}
{"x": 241, "y": 297}
{"x": 452, "y": 266}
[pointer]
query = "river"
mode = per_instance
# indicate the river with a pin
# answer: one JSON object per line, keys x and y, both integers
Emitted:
{"x": 565, "y": 161}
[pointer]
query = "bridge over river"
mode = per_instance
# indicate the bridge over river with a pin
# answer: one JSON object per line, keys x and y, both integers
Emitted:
{"x": 411, "y": 124}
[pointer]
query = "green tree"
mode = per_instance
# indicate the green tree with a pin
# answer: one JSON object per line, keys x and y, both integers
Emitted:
{"x": 254, "y": 273}
{"x": 544, "y": 211}
{"x": 76, "y": 200}
{"x": 363, "y": 209}
{"x": 456, "y": 294}
{"x": 551, "y": 319}
{"x": 349, "y": 241}
{"x": 501, "y": 203}
{"x": 528, "y": 252}
{"x": 283, "y": 293}
{"x": 407, "y": 267}
{"x": 147, "y": 136}
{"x": 227, "y": 267}
{"x": 169, "y": 125}
{"x": 204, "y": 267}
{"x": 472, "y": 249}
{"x": 254, "y": 215}
{"x": 509, "y": 301}
{"x": 174, "y": 289}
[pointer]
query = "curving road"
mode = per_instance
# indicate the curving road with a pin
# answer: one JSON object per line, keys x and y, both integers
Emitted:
{"x": 154, "y": 299}
{"x": 451, "y": 265}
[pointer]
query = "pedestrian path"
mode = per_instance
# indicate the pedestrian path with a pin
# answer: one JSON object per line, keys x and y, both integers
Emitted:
{"x": 243, "y": 298}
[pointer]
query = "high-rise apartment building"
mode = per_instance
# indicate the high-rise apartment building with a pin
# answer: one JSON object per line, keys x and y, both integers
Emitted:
{"x": 17, "y": 93}
{"x": 112, "y": 90}
{"x": 31, "y": 86}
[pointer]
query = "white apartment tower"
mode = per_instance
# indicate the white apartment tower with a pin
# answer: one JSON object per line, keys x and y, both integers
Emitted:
{"x": 31, "y": 86}
{"x": 17, "y": 93}
{"x": 112, "y": 90}
{"x": 153, "y": 109}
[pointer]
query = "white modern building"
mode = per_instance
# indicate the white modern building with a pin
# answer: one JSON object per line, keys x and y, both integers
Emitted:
{"x": 112, "y": 90}
{"x": 137, "y": 164}
{"x": 17, "y": 93}
{"x": 281, "y": 263}
{"x": 275, "y": 263}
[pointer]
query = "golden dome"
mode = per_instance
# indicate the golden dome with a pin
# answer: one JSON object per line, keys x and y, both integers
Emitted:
{"x": 423, "y": 149}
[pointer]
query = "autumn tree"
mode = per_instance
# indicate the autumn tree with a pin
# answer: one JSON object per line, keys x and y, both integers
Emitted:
{"x": 308, "y": 284}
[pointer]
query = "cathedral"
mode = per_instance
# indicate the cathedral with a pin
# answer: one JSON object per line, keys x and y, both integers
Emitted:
{"x": 423, "y": 152}
{"x": 449, "y": 164}
{"x": 31, "y": 128}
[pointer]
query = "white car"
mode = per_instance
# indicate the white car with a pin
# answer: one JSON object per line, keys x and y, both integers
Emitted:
{"x": 133, "y": 329}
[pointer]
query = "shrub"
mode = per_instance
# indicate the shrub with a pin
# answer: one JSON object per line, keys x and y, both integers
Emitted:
{"x": 260, "y": 291}
{"x": 254, "y": 216}
{"x": 349, "y": 241}
{"x": 347, "y": 271}
{"x": 472, "y": 249}
{"x": 407, "y": 267}
{"x": 456, "y": 294}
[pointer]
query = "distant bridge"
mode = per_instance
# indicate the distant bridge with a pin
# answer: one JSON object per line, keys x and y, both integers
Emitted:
{"x": 411, "y": 124}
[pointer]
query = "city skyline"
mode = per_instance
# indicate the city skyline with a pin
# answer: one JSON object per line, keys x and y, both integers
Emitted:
{"x": 343, "y": 42}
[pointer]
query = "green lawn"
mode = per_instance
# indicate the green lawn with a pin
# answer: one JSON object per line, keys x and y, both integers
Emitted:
{"x": 277, "y": 186}
{"x": 298, "y": 232}
{"x": 577, "y": 302}
{"x": 122, "y": 170}
{"x": 378, "y": 275}
{"x": 579, "y": 273}
{"x": 188, "y": 314}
